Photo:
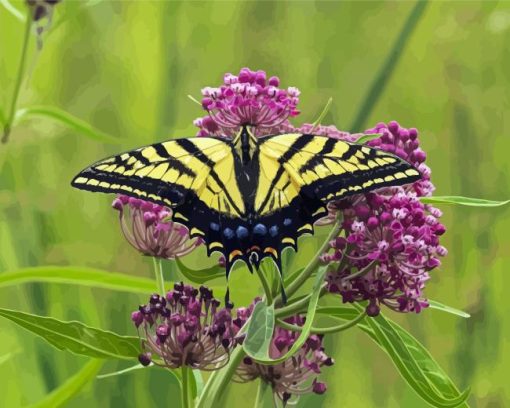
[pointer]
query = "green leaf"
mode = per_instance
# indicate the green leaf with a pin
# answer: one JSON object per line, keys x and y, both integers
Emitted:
{"x": 367, "y": 138}
{"x": 459, "y": 200}
{"x": 199, "y": 382}
{"x": 260, "y": 332}
{"x": 261, "y": 327}
{"x": 77, "y": 275}
{"x": 392, "y": 58}
{"x": 71, "y": 387}
{"x": 439, "y": 306}
{"x": 66, "y": 119}
{"x": 414, "y": 363}
{"x": 76, "y": 337}
{"x": 8, "y": 356}
{"x": 202, "y": 275}
{"x": 410, "y": 357}
{"x": 13, "y": 10}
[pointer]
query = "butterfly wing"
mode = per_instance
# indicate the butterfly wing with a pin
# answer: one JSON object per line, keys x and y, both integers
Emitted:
{"x": 301, "y": 173}
{"x": 194, "y": 176}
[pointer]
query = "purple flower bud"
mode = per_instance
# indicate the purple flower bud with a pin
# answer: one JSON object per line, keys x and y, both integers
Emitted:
{"x": 318, "y": 387}
{"x": 280, "y": 343}
{"x": 137, "y": 318}
{"x": 373, "y": 309}
{"x": 117, "y": 204}
{"x": 144, "y": 359}
{"x": 163, "y": 331}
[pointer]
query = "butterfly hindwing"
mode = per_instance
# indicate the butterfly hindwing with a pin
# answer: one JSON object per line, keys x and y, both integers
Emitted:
{"x": 304, "y": 172}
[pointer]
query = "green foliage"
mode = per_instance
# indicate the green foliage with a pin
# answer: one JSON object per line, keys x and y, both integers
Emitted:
{"x": 75, "y": 275}
{"x": 66, "y": 119}
{"x": 201, "y": 275}
{"x": 467, "y": 201}
{"x": 65, "y": 392}
{"x": 76, "y": 337}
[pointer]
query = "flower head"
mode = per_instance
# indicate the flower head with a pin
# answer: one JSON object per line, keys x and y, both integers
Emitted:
{"x": 186, "y": 327}
{"x": 295, "y": 376}
{"x": 391, "y": 238}
{"x": 249, "y": 98}
{"x": 148, "y": 228}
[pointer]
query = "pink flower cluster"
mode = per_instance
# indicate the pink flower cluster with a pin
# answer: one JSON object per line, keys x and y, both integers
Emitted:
{"x": 249, "y": 98}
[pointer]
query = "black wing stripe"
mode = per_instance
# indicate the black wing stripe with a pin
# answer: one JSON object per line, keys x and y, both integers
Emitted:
{"x": 317, "y": 159}
{"x": 192, "y": 149}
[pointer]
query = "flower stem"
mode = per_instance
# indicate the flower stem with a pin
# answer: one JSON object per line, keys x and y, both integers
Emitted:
{"x": 19, "y": 79}
{"x": 324, "y": 330}
{"x": 310, "y": 268}
{"x": 298, "y": 306}
{"x": 261, "y": 390}
{"x": 265, "y": 286}
{"x": 219, "y": 380}
{"x": 158, "y": 273}
{"x": 185, "y": 394}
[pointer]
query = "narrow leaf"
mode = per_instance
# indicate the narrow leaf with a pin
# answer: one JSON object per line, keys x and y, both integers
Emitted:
{"x": 77, "y": 275}
{"x": 76, "y": 337}
{"x": 66, "y": 119}
{"x": 199, "y": 381}
{"x": 383, "y": 76}
{"x": 428, "y": 374}
{"x": 63, "y": 394}
{"x": 367, "y": 138}
{"x": 6, "y": 357}
{"x": 13, "y": 10}
{"x": 459, "y": 200}
{"x": 439, "y": 306}
{"x": 201, "y": 275}
{"x": 262, "y": 353}
{"x": 415, "y": 364}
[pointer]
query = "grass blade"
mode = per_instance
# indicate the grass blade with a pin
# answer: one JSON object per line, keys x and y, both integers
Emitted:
{"x": 459, "y": 200}
{"x": 384, "y": 74}
{"x": 66, "y": 119}
{"x": 76, "y": 275}
{"x": 71, "y": 387}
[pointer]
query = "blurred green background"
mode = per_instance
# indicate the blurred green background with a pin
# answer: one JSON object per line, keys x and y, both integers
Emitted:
{"x": 127, "y": 67}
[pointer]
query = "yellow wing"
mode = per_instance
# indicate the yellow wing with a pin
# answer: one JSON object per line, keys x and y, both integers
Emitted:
{"x": 308, "y": 167}
{"x": 172, "y": 173}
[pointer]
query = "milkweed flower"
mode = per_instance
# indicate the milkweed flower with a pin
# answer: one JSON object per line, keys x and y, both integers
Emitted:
{"x": 391, "y": 238}
{"x": 249, "y": 98}
{"x": 149, "y": 229}
{"x": 185, "y": 327}
{"x": 295, "y": 376}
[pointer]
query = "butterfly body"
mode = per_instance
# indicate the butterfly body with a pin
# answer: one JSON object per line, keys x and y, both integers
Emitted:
{"x": 247, "y": 198}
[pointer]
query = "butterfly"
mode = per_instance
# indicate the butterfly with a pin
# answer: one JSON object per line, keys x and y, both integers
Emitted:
{"x": 247, "y": 197}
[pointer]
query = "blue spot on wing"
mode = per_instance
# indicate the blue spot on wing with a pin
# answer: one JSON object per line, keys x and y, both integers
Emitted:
{"x": 287, "y": 222}
{"x": 273, "y": 231}
{"x": 228, "y": 233}
{"x": 241, "y": 232}
{"x": 260, "y": 229}
{"x": 214, "y": 226}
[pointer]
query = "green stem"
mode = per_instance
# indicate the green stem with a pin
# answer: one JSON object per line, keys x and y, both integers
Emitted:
{"x": 261, "y": 390}
{"x": 323, "y": 330}
{"x": 298, "y": 306}
{"x": 220, "y": 379}
{"x": 19, "y": 79}
{"x": 185, "y": 392}
{"x": 384, "y": 74}
{"x": 158, "y": 273}
{"x": 265, "y": 286}
{"x": 314, "y": 263}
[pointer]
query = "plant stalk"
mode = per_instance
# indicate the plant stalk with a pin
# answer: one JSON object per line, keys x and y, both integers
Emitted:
{"x": 220, "y": 379}
{"x": 310, "y": 268}
{"x": 185, "y": 392}
{"x": 19, "y": 79}
{"x": 261, "y": 390}
{"x": 324, "y": 330}
{"x": 158, "y": 273}
{"x": 265, "y": 286}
